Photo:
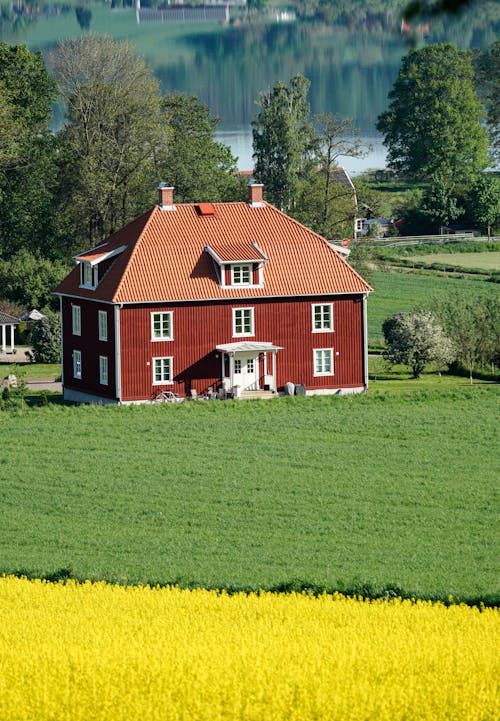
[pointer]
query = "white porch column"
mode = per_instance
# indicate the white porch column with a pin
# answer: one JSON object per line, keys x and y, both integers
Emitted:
{"x": 274, "y": 371}
{"x": 231, "y": 371}
{"x": 12, "y": 337}
{"x": 4, "y": 347}
{"x": 223, "y": 368}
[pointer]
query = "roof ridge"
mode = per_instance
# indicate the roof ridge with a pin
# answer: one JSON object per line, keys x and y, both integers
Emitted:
{"x": 134, "y": 250}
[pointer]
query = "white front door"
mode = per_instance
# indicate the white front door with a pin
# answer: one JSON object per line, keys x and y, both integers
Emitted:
{"x": 246, "y": 372}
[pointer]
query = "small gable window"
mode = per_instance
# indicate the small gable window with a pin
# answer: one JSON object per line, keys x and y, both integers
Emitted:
{"x": 162, "y": 326}
{"x": 89, "y": 275}
{"x": 241, "y": 274}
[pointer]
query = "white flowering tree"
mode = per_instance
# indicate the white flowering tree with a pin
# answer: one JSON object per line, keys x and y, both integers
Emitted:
{"x": 416, "y": 339}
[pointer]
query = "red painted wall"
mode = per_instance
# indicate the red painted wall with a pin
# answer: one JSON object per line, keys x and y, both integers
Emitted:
{"x": 198, "y": 328}
{"x": 90, "y": 346}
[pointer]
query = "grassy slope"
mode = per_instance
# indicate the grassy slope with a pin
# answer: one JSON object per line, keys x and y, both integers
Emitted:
{"x": 341, "y": 492}
{"x": 405, "y": 290}
{"x": 481, "y": 261}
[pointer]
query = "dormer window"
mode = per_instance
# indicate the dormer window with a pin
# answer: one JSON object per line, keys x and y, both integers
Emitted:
{"x": 238, "y": 264}
{"x": 94, "y": 264}
{"x": 241, "y": 274}
{"x": 89, "y": 275}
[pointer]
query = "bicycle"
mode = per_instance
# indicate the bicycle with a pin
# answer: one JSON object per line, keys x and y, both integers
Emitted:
{"x": 164, "y": 396}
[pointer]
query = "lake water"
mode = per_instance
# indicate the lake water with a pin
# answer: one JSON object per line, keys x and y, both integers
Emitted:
{"x": 351, "y": 70}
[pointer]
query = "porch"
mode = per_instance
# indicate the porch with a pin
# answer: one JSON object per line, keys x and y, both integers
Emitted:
{"x": 7, "y": 327}
{"x": 248, "y": 367}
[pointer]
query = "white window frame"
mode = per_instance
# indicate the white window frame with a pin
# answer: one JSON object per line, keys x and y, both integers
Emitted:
{"x": 319, "y": 361}
{"x": 162, "y": 337}
{"x": 161, "y": 361}
{"x": 103, "y": 324}
{"x": 239, "y": 271}
{"x": 236, "y": 312}
{"x": 103, "y": 370}
{"x": 76, "y": 319}
{"x": 77, "y": 364}
{"x": 325, "y": 328}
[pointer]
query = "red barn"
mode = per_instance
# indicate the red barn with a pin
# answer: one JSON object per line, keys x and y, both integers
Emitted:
{"x": 222, "y": 296}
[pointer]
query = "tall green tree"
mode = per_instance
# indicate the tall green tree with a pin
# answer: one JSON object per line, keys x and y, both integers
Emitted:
{"x": 473, "y": 324}
{"x": 489, "y": 87}
{"x": 282, "y": 136}
{"x": 27, "y": 151}
{"x": 483, "y": 202}
{"x": 28, "y": 280}
{"x": 440, "y": 202}
{"x": 113, "y": 136}
{"x": 433, "y": 122}
{"x": 194, "y": 163}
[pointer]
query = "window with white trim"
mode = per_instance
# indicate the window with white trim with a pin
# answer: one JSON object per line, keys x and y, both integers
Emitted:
{"x": 103, "y": 325}
{"x": 76, "y": 319}
{"x": 243, "y": 321}
{"x": 77, "y": 364}
{"x": 241, "y": 274}
{"x": 322, "y": 318}
{"x": 88, "y": 275}
{"x": 162, "y": 370}
{"x": 162, "y": 326}
{"x": 323, "y": 361}
{"x": 103, "y": 370}
{"x": 237, "y": 365}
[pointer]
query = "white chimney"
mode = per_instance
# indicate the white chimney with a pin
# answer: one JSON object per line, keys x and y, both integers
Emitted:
{"x": 255, "y": 199}
{"x": 166, "y": 197}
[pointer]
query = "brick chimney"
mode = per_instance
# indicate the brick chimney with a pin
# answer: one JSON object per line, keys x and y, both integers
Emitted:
{"x": 166, "y": 197}
{"x": 255, "y": 199}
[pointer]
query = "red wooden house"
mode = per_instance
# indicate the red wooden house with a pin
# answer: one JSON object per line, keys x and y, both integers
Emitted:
{"x": 226, "y": 295}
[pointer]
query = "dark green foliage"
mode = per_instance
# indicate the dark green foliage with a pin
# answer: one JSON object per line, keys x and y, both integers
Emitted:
{"x": 337, "y": 493}
{"x": 42, "y": 399}
{"x": 440, "y": 203}
{"x": 29, "y": 280}
{"x": 473, "y": 324}
{"x": 282, "y": 137}
{"x": 433, "y": 121}
{"x": 84, "y": 16}
{"x": 27, "y": 152}
{"x": 46, "y": 339}
{"x": 483, "y": 202}
{"x": 198, "y": 167}
{"x": 489, "y": 89}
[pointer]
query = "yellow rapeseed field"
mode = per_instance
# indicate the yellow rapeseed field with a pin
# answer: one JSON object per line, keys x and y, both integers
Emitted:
{"x": 93, "y": 651}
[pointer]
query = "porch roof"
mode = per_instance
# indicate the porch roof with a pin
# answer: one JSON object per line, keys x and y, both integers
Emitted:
{"x": 7, "y": 319}
{"x": 247, "y": 346}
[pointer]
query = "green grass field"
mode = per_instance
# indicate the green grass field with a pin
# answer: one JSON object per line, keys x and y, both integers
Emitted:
{"x": 480, "y": 261}
{"x": 356, "y": 493}
{"x": 405, "y": 290}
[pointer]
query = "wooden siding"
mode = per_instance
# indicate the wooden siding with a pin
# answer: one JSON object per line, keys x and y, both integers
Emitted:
{"x": 199, "y": 327}
{"x": 90, "y": 346}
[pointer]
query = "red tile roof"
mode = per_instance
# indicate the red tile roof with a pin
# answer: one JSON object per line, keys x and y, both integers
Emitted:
{"x": 236, "y": 252}
{"x": 165, "y": 257}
